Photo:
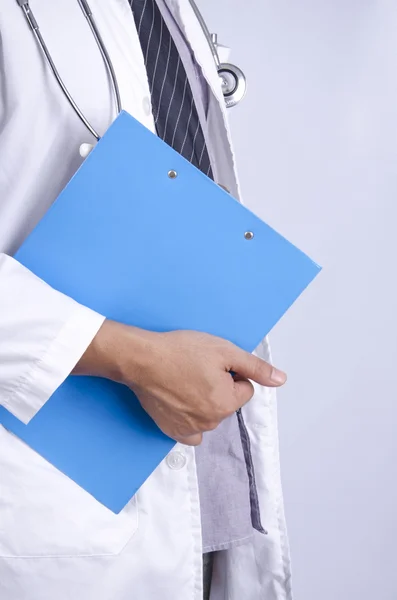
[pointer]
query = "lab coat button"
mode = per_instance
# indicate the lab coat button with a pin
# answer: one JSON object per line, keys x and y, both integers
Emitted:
{"x": 147, "y": 106}
{"x": 176, "y": 460}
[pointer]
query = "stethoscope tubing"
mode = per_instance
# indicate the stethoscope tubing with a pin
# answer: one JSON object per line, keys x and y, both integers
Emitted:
{"x": 231, "y": 99}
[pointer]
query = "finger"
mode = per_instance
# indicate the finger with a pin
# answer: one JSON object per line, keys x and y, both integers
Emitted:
{"x": 243, "y": 390}
{"x": 251, "y": 367}
{"x": 191, "y": 440}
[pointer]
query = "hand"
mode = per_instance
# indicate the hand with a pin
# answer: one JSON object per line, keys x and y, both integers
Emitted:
{"x": 181, "y": 378}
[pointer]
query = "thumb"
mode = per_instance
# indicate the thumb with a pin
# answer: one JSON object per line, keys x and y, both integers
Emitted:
{"x": 251, "y": 367}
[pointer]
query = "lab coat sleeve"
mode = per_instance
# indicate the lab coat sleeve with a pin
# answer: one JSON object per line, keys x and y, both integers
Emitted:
{"x": 43, "y": 334}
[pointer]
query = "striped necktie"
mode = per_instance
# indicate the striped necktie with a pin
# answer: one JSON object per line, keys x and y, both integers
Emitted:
{"x": 174, "y": 110}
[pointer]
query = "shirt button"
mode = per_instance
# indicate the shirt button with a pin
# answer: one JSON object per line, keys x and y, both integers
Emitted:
{"x": 176, "y": 460}
{"x": 147, "y": 106}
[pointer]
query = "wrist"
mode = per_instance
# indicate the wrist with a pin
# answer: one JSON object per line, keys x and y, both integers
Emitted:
{"x": 118, "y": 352}
{"x": 131, "y": 352}
{"x": 97, "y": 359}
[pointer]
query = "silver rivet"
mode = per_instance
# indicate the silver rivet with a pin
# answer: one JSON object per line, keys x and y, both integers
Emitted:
{"x": 248, "y": 235}
{"x": 172, "y": 174}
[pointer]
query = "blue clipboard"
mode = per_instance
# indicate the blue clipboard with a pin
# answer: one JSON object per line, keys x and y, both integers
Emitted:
{"x": 161, "y": 253}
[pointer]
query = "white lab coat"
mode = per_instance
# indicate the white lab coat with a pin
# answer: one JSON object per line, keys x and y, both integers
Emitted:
{"x": 56, "y": 542}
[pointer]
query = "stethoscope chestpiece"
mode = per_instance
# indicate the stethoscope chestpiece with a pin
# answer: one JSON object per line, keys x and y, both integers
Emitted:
{"x": 234, "y": 83}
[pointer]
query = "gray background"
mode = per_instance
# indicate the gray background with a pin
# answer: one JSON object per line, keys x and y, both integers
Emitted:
{"x": 316, "y": 141}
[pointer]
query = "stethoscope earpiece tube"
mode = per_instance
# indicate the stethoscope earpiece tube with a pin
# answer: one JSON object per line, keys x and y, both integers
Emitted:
{"x": 24, "y": 4}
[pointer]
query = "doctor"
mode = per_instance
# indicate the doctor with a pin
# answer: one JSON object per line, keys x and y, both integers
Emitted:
{"x": 218, "y": 493}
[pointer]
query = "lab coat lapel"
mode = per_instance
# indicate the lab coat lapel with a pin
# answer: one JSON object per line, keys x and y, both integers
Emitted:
{"x": 217, "y": 119}
{"x": 191, "y": 28}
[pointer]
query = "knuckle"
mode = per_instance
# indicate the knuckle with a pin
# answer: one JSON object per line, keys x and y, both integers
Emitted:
{"x": 194, "y": 440}
{"x": 229, "y": 351}
{"x": 250, "y": 390}
{"x": 211, "y": 425}
{"x": 183, "y": 432}
{"x": 248, "y": 396}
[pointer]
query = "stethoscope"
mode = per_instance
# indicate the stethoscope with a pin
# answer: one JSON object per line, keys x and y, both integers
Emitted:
{"x": 233, "y": 80}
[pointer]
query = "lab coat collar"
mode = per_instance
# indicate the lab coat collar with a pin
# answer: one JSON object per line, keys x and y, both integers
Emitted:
{"x": 186, "y": 19}
{"x": 184, "y": 15}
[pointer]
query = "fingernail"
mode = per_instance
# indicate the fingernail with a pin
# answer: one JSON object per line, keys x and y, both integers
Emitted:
{"x": 278, "y": 377}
